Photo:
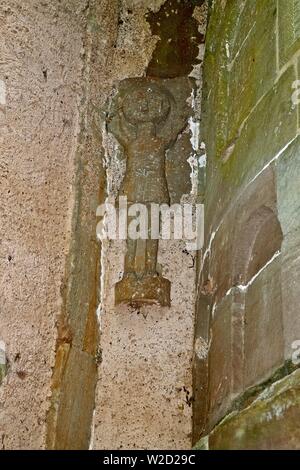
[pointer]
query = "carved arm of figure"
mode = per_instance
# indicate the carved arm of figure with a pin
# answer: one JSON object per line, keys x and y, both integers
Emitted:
{"x": 123, "y": 131}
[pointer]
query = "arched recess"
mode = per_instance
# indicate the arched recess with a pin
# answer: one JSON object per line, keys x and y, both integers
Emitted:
{"x": 261, "y": 237}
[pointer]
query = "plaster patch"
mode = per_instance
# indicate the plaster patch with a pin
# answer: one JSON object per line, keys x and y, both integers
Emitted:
{"x": 227, "y": 49}
{"x": 195, "y": 130}
{"x": 202, "y": 161}
{"x": 91, "y": 446}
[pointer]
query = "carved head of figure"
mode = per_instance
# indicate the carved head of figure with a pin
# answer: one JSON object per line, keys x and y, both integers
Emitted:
{"x": 146, "y": 103}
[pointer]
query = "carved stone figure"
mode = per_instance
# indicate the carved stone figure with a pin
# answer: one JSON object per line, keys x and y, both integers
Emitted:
{"x": 145, "y": 120}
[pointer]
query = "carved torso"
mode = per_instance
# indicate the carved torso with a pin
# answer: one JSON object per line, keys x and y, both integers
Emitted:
{"x": 145, "y": 179}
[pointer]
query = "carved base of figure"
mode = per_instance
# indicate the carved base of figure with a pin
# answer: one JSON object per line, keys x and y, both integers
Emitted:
{"x": 146, "y": 289}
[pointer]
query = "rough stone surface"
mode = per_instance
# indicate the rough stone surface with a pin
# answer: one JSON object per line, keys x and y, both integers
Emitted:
{"x": 269, "y": 423}
{"x": 109, "y": 55}
{"x": 288, "y": 180}
{"x": 77, "y": 371}
{"x": 40, "y": 73}
{"x": 289, "y": 29}
{"x": 248, "y": 269}
{"x": 60, "y": 63}
{"x": 145, "y": 377}
{"x": 144, "y": 392}
{"x": 177, "y": 27}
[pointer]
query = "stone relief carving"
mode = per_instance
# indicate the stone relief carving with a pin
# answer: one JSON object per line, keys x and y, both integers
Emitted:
{"x": 146, "y": 117}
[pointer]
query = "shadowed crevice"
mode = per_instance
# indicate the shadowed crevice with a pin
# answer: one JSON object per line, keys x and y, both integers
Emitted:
{"x": 179, "y": 39}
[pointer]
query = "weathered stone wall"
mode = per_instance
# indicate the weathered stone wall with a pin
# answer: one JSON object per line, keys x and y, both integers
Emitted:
{"x": 67, "y": 381}
{"x": 248, "y": 296}
{"x": 144, "y": 392}
{"x": 40, "y": 83}
{"x": 61, "y": 61}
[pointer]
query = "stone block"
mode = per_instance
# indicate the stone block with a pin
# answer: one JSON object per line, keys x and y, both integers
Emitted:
{"x": 288, "y": 183}
{"x": 200, "y": 364}
{"x": 264, "y": 134}
{"x": 290, "y": 291}
{"x": 75, "y": 402}
{"x": 263, "y": 326}
{"x": 288, "y": 29}
{"x": 221, "y": 272}
{"x": 220, "y": 362}
{"x": 245, "y": 12}
{"x": 215, "y": 91}
{"x": 245, "y": 66}
{"x": 269, "y": 423}
{"x": 238, "y": 332}
{"x": 253, "y": 64}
